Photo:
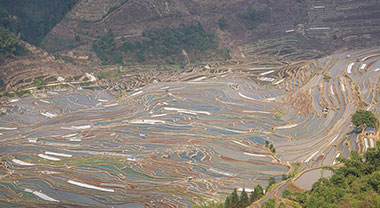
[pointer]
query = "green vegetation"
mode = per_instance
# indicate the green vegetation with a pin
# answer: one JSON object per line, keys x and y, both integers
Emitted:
{"x": 326, "y": 77}
{"x": 18, "y": 93}
{"x": 271, "y": 203}
{"x": 286, "y": 51}
{"x": 166, "y": 44}
{"x": 222, "y": 22}
{"x": 33, "y": 19}
{"x": 235, "y": 201}
{"x": 169, "y": 43}
{"x": 224, "y": 53}
{"x": 106, "y": 49}
{"x": 363, "y": 118}
{"x": 39, "y": 83}
{"x": 271, "y": 183}
{"x": 8, "y": 94}
{"x": 279, "y": 115}
{"x": 253, "y": 17}
{"x": 9, "y": 45}
{"x": 4, "y": 17}
{"x": 208, "y": 204}
{"x": 2, "y": 85}
{"x": 356, "y": 184}
{"x": 87, "y": 83}
{"x": 270, "y": 146}
{"x": 293, "y": 173}
{"x": 256, "y": 194}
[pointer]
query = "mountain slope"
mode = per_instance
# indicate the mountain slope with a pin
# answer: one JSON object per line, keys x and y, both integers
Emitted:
{"x": 311, "y": 25}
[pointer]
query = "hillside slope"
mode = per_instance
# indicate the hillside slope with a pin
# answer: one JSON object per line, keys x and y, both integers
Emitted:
{"x": 21, "y": 71}
{"x": 291, "y": 26}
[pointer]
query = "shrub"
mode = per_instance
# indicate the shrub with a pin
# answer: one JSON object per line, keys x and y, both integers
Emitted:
{"x": 222, "y": 22}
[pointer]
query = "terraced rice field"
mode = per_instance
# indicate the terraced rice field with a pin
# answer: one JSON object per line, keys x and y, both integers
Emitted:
{"x": 168, "y": 144}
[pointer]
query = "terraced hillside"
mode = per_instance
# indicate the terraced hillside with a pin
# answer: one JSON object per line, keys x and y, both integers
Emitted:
{"x": 20, "y": 72}
{"x": 292, "y": 27}
{"x": 170, "y": 143}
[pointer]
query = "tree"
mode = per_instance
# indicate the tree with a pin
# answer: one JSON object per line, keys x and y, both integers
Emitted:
{"x": 363, "y": 117}
{"x": 253, "y": 17}
{"x": 257, "y": 193}
{"x": 4, "y": 17}
{"x": 234, "y": 199}
{"x": 271, "y": 182}
{"x": 35, "y": 18}
{"x": 168, "y": 43}
{"x": 228, "y": 202}
{"x": 271, "y": 147}
{"x": 282, "y": 205}
{"x": 244, "y": 200}
{"x": 9, "y": 45}
{"x": 222, "y": 22}
{"x": 106, "y": 49}
{"x": 271, "y": 203}
{"x": 356, "y": 184}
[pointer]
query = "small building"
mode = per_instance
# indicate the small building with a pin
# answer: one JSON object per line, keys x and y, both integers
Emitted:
{"x": 32, "y": 140}
{"x": 60, "y": 79}
{"x": 370, "y": 131}
{"x": 325, "y": 110}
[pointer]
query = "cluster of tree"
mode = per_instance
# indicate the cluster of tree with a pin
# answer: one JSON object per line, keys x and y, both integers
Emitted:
{"x": 18, "y": 93}
{"x": 9, "y": 44}
{"x": 270, "y": 146}
{"x": 224, "y": 53}
{"x": 255, "y": 17}
{"x": 164, "y": 44}
{"x": 235, "y": 201}
{"x": 363, "y": 119}
{"x": 107, "y": 50}
{"x": 356, "y": 184}
{"x": 271, "y": 203}
{"x": 34, "y": 19}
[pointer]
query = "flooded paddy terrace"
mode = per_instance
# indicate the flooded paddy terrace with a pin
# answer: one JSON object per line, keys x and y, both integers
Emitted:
{"x": 168, "y": 144}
